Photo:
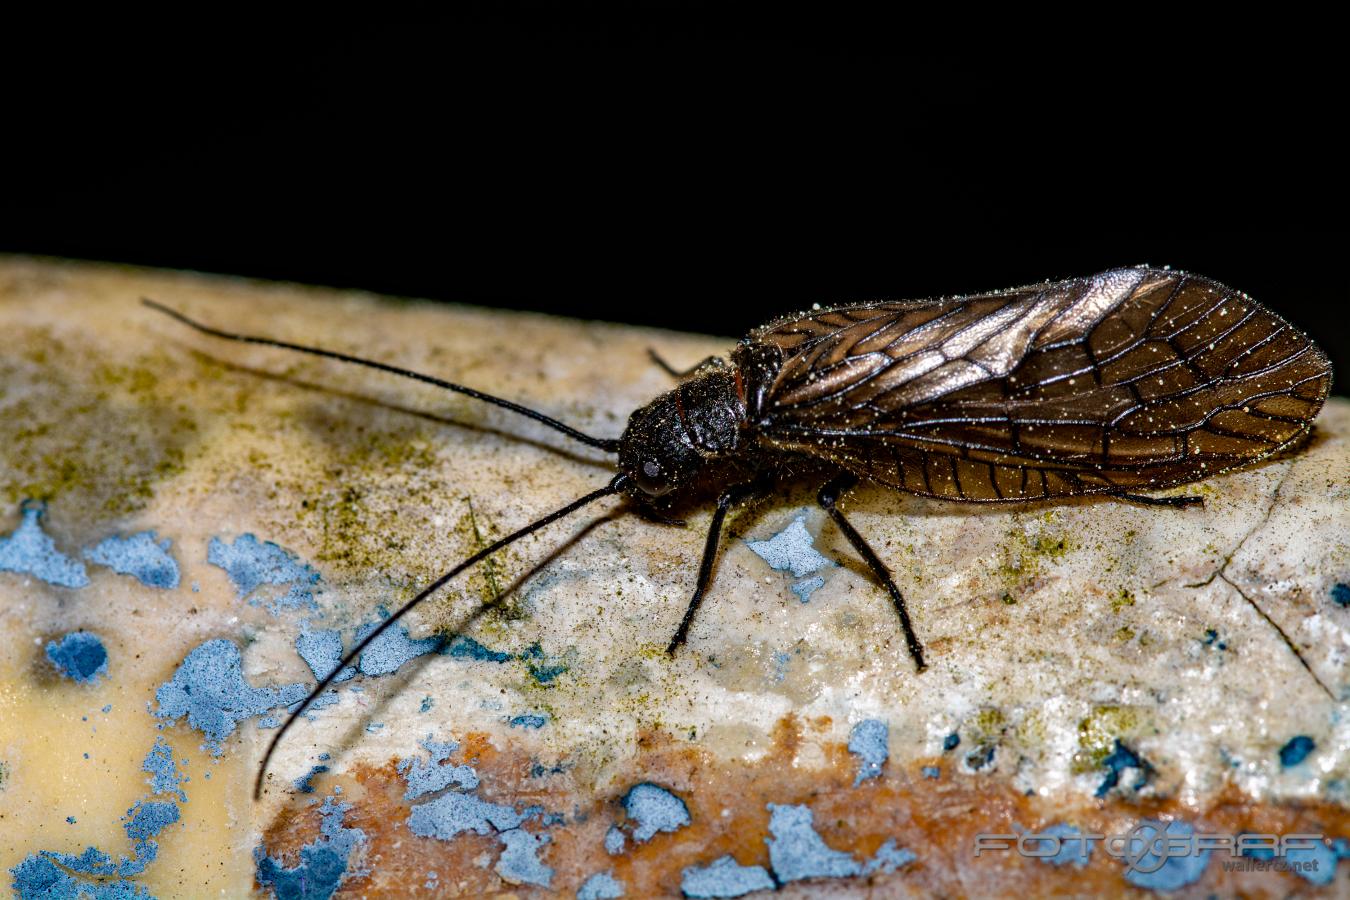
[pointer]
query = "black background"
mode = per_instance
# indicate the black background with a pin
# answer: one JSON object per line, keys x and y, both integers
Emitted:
{"x": 679, "y": 167}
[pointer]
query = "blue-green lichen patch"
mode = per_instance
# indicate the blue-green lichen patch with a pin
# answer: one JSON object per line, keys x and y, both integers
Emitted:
{"x": 455, "y": 813}
{"x": 796, "y": 851}
{"x": 792, "y": 550}
{"x": 79, "y": 656}
{"x": 652, "y": 809}
{"x": 724, "y": 878}
{"x": 94, "y": 862}
{"x": 1340, "y": 594}
{"x": 615, "y": 840}
{"x": 305, "y": 783}
{"x": 540, "y": 770}
{"x": 600, "y": 886}
{"x": 869, "y": 741}
{"x": 140, "y": 556}
{"x": 324, "y": 862}
{"x": 394, "y": 649}
{"x": 889, "y": 858}
{"x": 1156, "y": 873}
{"x": 322, "y": 651}
{"x": 528, "y": 720}
{"x": 460, "y": 811}
{"x": 29, "y": 550}
{"x": 148, "y": 818}
{"x": 164, "y": 775}
{"x": 807, "y": 586}
{"x": 48, "y": 874}
{"x": 427, "y": 777}
{"x": 462, "y": 647}
{"x": 519, "y": 862}
{"x": 1296, "y": 750}
{"x": 1120, "y": 761}
{"x": 251, "y": 564}
{"x": 542, "y": 667}
{"x": 982, "y": 757}
{"x": 39, "y": 878}
{"x": 210, "y": 691}
{"x": 388, "y": 652}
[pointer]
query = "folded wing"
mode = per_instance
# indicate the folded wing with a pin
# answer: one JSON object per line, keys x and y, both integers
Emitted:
{"x": 1134, "y": 379}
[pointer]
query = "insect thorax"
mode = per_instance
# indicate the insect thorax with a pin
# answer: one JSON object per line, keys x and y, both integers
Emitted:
{"x": 671, "y": 440}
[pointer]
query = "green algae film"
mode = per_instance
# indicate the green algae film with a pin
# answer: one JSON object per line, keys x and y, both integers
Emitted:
{"x": 137, "y": 438}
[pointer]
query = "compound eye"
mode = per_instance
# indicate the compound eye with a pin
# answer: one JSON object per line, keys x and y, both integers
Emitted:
{"x": 651, "y": 478}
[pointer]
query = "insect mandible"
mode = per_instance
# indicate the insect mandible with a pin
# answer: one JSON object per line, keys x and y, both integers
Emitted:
{"x": 1136, "y": 379}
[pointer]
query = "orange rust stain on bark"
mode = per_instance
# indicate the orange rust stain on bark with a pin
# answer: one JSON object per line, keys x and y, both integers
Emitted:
{"x": 937, "y": 819}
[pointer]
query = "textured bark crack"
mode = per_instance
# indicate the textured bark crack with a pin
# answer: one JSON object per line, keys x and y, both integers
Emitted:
{"x": 1288, "y": 641}
{"x": 1265, "y": 517}
{"x": 1221, "y": 572}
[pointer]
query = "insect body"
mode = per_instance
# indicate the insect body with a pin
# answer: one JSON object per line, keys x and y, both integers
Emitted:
{"x": 1132, "y": 380}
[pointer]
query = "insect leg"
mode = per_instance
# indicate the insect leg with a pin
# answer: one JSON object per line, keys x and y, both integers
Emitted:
{"x": 724, "y": 503}
{"x": 1177, "y": 502}
{"x": 676, "y": 373}
{"x": 828, "y": 497}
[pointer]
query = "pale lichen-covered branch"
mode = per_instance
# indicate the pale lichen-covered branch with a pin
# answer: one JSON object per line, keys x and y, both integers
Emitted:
{"x": 191, "y": 531}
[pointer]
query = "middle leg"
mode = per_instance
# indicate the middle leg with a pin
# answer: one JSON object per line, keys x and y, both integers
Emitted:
{"x": 828, "y": 497}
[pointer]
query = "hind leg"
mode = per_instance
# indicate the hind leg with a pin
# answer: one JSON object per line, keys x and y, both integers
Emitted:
{"x": 1174, "y": 502}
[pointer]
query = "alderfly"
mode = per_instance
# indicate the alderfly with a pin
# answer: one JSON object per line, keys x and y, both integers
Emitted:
{"x": 1129, "y": 381}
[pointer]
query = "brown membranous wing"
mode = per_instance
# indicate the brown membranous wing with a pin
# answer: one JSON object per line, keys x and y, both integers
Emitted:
{"x": 1134, "y": 379}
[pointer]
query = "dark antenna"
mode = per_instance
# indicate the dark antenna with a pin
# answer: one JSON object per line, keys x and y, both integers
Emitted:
{"x": 614, "y": 487}
{"x": 609, "y": 445}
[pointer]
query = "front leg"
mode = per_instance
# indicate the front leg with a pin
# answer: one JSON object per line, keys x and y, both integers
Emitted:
{"x": 705, "y": 568}
{"x": 828, "y": 497}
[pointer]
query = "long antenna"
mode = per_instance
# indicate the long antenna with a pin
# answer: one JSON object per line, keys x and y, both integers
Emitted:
{"x": 614, "y": 487}
{"x": 609, "y": 445}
